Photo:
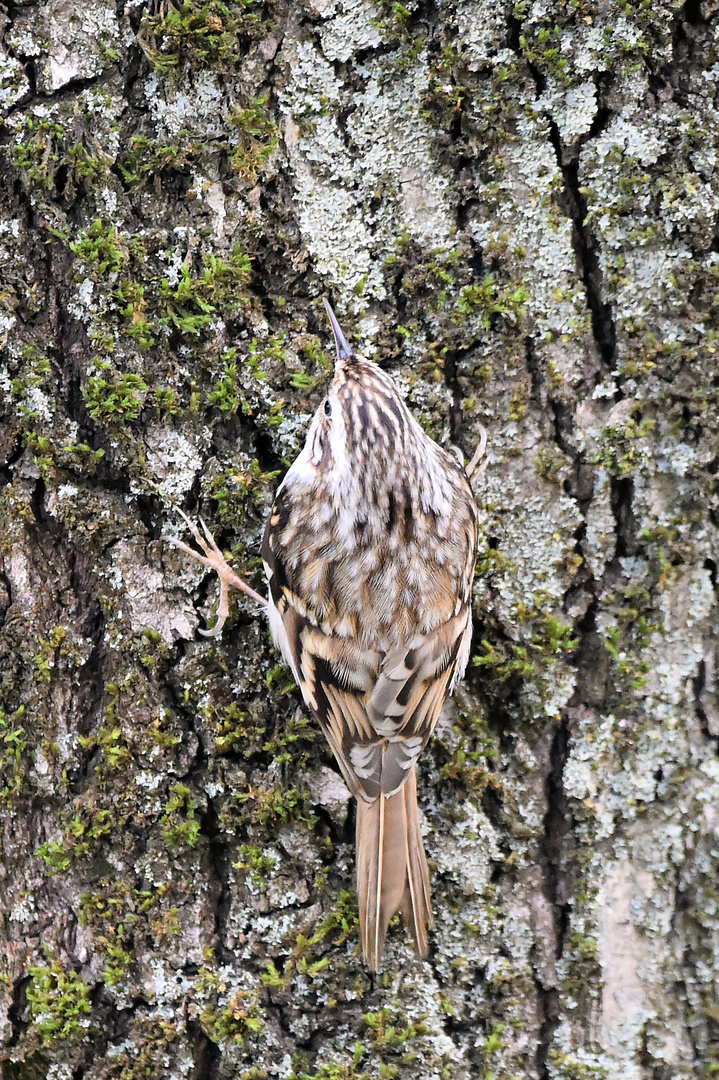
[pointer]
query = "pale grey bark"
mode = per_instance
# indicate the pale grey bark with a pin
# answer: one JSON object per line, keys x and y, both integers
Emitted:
{"x": 515, "y": 210}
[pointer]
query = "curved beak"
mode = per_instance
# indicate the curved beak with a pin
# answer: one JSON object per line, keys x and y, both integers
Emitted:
{"x": 343, "y": 349}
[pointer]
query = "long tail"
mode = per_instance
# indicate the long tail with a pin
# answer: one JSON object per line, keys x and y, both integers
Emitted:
{"x": 392, "y": 870}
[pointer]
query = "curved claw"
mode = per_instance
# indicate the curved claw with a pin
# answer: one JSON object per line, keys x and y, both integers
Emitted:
{"x": 478, "y": 454}
{"x": 215, "y": 630}
{"x": 213, "y": 558}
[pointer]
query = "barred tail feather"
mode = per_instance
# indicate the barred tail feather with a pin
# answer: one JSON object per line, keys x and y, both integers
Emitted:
{"x": 417, "y": 910}
{"x": 392, "y": 870}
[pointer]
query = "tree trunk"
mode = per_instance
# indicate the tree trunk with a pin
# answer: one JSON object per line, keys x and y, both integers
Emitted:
{"x": 514, "y": 209}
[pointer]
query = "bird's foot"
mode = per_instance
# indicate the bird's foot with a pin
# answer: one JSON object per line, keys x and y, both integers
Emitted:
{"x": 471, "y": 466}
{"x": 215, "y": 560}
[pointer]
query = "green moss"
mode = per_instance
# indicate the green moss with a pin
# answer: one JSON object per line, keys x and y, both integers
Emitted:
{"x": 111, "y": 738}
{"x": 518, "y": 402}
{"x": 101, "y": 249}
{"x": 189, "y": 305}
{"x": 391, "y": 1034}
{"x": 432, "y": 275}
{"x": 255, "y": 862}
{"x": 199, "y": 35}
{"x": 56, "y": 856}
{"x": 226, "y": 395}
{"x": 272, "y": 354}
{"x": 433, "y": 366}
{"x": 490, "y": 302}
{"x": 495, "y": 1039}
{"x": 32, "y": 373}
{"x": 132, "y": 306}
{"x": 494, "y": 564}
{"x": 275, "y": 416}
{"x": 450, "y": 93}
{"x": 145, "y": 160}
{"x": 38, "y": 153}
{"x": 104, "y": 808}
{"x": 622, "y": 444}
{"x": 118, "y": 915}
{"x": 234, "y": 728}
{"x": 179, "y": 826}
{"x": 336, "y": 1070}
{"x": 88, "y": 458}
{"x": 56, "y": 159}
{"x": 467, "y": 761}
{"x": 633, "y": 669}
{"x": 164, "y": 739}
{"x": 292, "y": 744}
{"x": 544, "y": 50}
{"x": 116, "y": 945}
{"x": 46, "y": 658}
{"x": 111, "y": 741}
{"x": 341, "y": 923}
{"x": 256, "y": 138}
{"x": 274, "y": 805}
{"x": 154, "y": 309}
{"x": 272, "y": 360}
{"x": 59, "y": 1002}
{"x": 238, "y": 492}
{"x": 151, "y": 1043}
{"x": 14, "y": 762}
{"x": 289, "y": 741}
{"x": 117, "y": 399}
{"x": 586, "y": 947}
{"x": 229, "y": 1014}
{"x": 302, "y": 381}
{"x": 88, "y": 825}
{"x": 185, "y": 304}
{"x": 157, "y": 651}
{"x": 567, "y": 1067}
{"x": 550, "y": 640}
{"x": 484, "y": 110}
{"x": 552, "y": 465}
{"x": 395, "y": 21}
{"x": 42, "y": 450}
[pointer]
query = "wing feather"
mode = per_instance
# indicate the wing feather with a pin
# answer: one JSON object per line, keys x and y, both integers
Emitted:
{"x": 340, "y": 682}
{"x": 377, "y": 708}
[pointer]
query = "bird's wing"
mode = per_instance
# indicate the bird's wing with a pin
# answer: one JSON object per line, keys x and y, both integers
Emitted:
{"x": 378, "y": 729}
{"x": 377, "y": 710}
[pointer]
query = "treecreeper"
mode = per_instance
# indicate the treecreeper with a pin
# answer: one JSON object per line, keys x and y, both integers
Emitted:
{"x": 369, "y": 553}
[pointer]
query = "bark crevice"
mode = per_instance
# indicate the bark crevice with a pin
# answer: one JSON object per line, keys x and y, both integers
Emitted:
{"x": 553, "y": 857}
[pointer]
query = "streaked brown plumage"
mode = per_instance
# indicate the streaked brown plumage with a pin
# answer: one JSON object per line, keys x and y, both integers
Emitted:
{"x": 369, "y": 553}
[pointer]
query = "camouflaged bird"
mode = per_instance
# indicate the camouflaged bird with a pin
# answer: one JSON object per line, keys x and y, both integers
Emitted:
{"x": 369, "y": 553}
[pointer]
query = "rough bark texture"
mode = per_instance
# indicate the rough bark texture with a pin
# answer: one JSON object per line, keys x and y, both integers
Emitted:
{"x": 514, "y": 208}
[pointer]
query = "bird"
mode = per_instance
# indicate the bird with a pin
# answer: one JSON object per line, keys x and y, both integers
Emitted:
{"x": 369, "y": 552}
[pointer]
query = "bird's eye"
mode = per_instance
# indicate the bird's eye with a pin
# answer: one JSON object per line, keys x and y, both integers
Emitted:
{"x": 328, "y": 408}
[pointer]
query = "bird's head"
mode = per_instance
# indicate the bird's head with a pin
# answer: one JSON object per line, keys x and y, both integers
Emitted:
{"x": 364, "y": 448}
{"x": 364, "y": 419}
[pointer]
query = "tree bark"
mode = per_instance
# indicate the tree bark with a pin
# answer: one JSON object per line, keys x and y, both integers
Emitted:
{"x": 514, "y": 209}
